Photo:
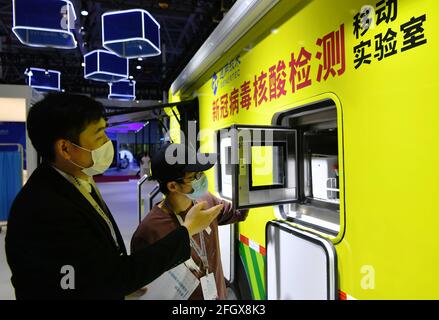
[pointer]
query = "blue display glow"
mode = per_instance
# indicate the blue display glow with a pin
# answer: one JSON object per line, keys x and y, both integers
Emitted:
{"x": 43, "y": 79}
{"x": 123, "y": 90}
{"x": 44, "y": 23}
{"x": 131, "y": 33}
{"x": 101, "y": 65}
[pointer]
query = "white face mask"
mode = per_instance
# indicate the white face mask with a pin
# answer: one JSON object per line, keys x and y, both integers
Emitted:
{"x": 199, "y": 187}
{"x": 102, "y": 159}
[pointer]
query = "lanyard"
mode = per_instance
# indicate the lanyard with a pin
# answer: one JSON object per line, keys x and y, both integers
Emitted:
{"x": 95, "y": 205}
{"x": 201, "y": 252}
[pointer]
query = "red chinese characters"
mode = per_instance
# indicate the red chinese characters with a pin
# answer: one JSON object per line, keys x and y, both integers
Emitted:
{"x": 269, "y": 84}
{"x": 300, "y": 70}
{"x": 215, "y": 110}
{"x": 277, "y": 80}
{"x": 234, "y": 101}
{"x": 260, "y": 89}
{"x": 224, "y": 110}
{"x": 229, "y": 104}
{"x": 246, "y": 99}
{"x": 333, "y": 55}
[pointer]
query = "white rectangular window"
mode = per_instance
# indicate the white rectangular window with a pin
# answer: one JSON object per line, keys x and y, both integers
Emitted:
{"x": 293, "y": 165}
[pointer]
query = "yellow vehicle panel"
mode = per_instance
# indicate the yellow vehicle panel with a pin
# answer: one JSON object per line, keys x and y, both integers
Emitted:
{"x": 389, "y": 115}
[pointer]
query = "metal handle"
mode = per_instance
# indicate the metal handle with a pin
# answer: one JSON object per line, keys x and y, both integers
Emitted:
{"x": 331, "y": 187}
{"x": 152, "y": 195}
{"x": 139, "y": 196}
{"x": 154, "y": 192}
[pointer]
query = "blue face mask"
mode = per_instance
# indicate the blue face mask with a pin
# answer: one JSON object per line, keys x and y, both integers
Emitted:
{"x": 200, "y": 188}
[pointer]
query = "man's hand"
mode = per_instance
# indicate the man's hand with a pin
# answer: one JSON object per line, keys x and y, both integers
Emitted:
{"x": 198, "y": 219}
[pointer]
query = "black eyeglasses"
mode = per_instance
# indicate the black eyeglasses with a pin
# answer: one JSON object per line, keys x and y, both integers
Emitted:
{"x": 197, "y": 176}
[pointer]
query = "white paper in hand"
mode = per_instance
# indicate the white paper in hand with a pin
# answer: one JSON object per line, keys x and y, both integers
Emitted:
{"x": 176, "y": 284}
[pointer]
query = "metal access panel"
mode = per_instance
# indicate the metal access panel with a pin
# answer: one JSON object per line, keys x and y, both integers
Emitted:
{"x": 257, "y": 165}
{"x": 300, "y": 265}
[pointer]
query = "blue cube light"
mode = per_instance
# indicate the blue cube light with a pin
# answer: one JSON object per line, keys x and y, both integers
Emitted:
{"x": 123, "y": 90}
{"x": 43, "y": 79}
{"x": 131, "y": 33}
{"x": 44, "y": 23}
{"x": 101, "y": 65}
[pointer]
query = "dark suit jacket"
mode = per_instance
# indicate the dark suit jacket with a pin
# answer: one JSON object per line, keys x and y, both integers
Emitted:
{"x": 52, "y": 225}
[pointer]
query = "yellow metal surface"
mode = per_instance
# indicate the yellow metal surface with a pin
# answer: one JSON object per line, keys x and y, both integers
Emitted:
{"x": 388, "y": 136}
{"x": 174, "y": 126}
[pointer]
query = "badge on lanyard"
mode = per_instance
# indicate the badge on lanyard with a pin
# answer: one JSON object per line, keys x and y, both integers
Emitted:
{"x": 208, "y": 285}
{"x": 190, "y": 263}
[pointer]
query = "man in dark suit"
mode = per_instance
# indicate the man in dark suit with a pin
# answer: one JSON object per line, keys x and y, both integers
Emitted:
{"x": 62, "y": 241}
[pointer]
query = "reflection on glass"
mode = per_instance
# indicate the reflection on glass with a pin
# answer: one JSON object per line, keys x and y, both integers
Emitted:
{"x": 268, "y": 167}
{"x": 228, "y": 156}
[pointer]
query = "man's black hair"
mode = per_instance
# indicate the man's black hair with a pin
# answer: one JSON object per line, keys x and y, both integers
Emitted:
{"x": 60, "y": 116}
{"x": 164, "y": 188}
